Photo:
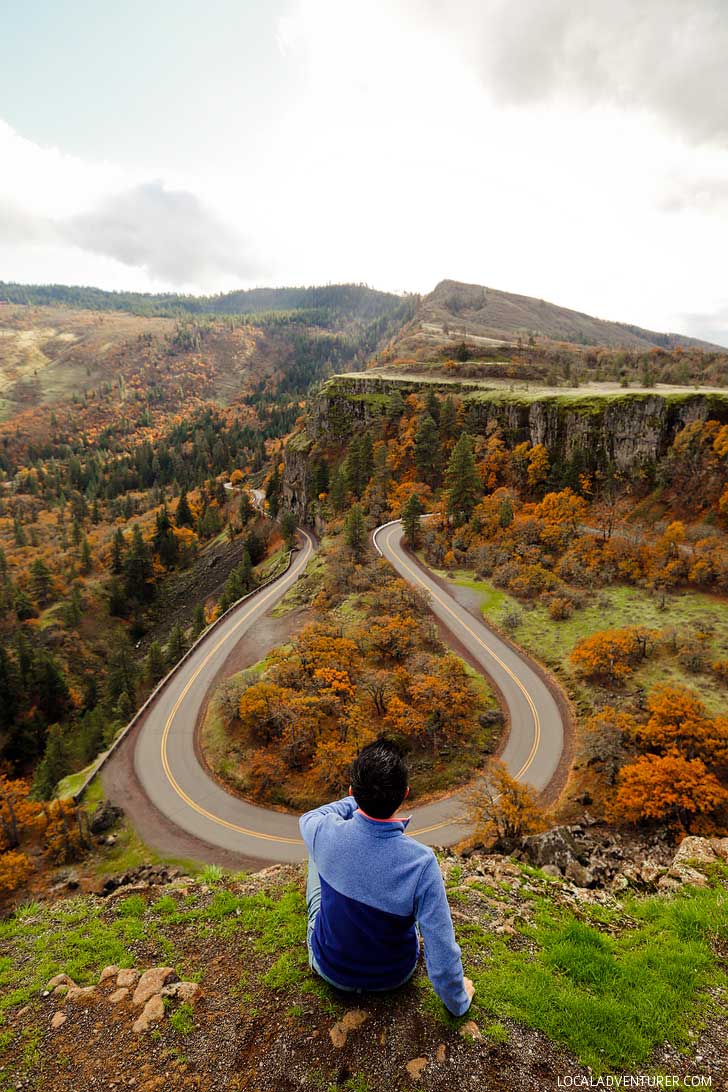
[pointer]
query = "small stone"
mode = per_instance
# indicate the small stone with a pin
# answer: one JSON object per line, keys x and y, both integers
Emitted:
{"x": 59, "y": 1019}
{"x": 470, "y": 1030}
{"x": 351, "y": 1020}
{"x": 128, "y": 977}
{"x": 416, "y": 1067}
{"x": 694, "y": 849}
{"x": 440, "y": 1054}
{"x": 182, "y": 991}
{"x": 152, "y": 1014}
{"x": 60, "y": 991}
{"x": 551, "y": 870}
{"x": 119, "y": 995}
{"x": 579, "y": 875}
{"x": 22, "y": 1012}
{"x": 152, "y": 982}
{"x": 60, "y": 980}
{"x": 80, "y": 993}
{"x": 109, "y": 972}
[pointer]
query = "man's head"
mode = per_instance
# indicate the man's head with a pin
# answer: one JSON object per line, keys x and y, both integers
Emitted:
{"x": 379, "y": 779}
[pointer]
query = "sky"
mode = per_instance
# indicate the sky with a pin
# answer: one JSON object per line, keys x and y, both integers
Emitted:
{"x": 572, "y": 150}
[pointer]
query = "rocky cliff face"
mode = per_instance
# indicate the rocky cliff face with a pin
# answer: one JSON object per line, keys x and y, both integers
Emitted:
{"x": 583, "y": 429}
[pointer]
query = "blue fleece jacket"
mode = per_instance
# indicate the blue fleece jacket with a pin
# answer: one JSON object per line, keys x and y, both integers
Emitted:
{"x": 375, "y": 884}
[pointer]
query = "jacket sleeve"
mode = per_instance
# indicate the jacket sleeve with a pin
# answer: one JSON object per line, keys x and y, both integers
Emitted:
{"x": 442, "y": 952}
{"x": 310, "y": 823}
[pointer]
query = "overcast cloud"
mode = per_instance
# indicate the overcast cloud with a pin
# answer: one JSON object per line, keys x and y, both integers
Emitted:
{"x": 666, "y": 57}
{"x": 168, "y": 234}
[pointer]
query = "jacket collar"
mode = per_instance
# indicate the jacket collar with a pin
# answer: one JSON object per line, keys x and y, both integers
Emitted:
{"x": 383, "y": 824}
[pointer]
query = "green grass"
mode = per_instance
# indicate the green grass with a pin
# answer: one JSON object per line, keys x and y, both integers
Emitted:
{"x": 183, "y": 1019}
{"x": 129, "y": 852}
{"x": 212, "y": 874}
{"x": 69, "y": 936}
{"x": 613, "y": 608}
{"x": 610, "y": 999}
{"x": 302, "y": 592}
{"x": 70, "y": 785}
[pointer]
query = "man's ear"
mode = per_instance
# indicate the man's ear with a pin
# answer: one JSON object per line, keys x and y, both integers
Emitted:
{"x": 350, "y": 792}
{"x": 406, "y": 792}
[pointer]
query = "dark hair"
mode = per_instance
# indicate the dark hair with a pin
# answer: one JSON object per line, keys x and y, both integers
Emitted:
{"x": 379, "y": 778}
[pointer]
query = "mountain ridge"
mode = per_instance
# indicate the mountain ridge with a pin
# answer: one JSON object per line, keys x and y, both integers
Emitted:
{"x": 482, "y": 311}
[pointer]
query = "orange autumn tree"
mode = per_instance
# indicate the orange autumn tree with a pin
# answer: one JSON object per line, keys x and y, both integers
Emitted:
{"x": 376, "y": 668}
{"x": 501, "y": 809}
{"x": 15, "y": 870}
{"x": 672, "y": 789}
{"x": 612, "y": 655}
{"x": 678, "y": 720}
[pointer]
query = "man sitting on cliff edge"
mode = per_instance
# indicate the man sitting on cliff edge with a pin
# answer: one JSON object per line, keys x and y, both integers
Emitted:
{"x": 370, "y": 888}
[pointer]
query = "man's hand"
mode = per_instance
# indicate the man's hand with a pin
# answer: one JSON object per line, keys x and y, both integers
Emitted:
{"x": 469, "y": 988}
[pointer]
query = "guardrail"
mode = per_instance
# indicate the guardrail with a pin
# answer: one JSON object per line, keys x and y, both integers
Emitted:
{"x": 104, "y": 757}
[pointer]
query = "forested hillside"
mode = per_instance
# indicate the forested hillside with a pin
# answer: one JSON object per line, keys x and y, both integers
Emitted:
{"x": 129, "y": 449}
{"x": 598, "y": 541}
{"x": 330, "y": 302}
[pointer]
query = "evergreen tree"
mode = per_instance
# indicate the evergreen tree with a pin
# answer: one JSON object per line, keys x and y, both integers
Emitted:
{"x": 411, "y": 520}
{"x": 48, "y": 686}
{"x": 183, "y": 516}
{"x": 355, "y": 532}
{"x": 117, "y": 599}
{"x": 52, "y": 767}
{"x": 246, "y": 509}
{"x": 432, "y": 405}
{"x": 86, "y": 559}
{"x": 396, "y": 405}
{"x": 354, "y": 470}
{"x": 273, "y": 492}
{"x": 138, "y": 571}
{"x": 122, "y": 675}
{"x": 154, "y": 667}
{"x": 24, "y": 606}
{"x": 198, "y": 620}
{"x": 254, "y": 547}
{"x": 9, "y": 691}
{"x": 118, "y": 551}
{"x": 164, "y": 542}
{"x": 448, "y": 420}
{"x": 367, "y": 460}
{"x": 337, "y": 495}
{"x": 41, "y": 581}
{"x": 427, "y": 451}
{"x": 73, "y": 608}
{"x": 462, "y": 482}
{"x": 288, "y": 529}
{"x": 320, "y": 479}
{"x": 176, "y": 645}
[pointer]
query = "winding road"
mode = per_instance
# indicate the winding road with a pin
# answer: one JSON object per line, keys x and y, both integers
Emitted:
{"x": 172, "y": 779}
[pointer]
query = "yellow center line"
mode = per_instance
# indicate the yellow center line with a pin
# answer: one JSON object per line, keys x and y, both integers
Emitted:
{"x": 536, "y": 719}
{"x": 241, "y": 621}
{"x": 165, "y": 734}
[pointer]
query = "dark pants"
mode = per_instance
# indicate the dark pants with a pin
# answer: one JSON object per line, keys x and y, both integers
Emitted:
{"x": 313, "y": 904}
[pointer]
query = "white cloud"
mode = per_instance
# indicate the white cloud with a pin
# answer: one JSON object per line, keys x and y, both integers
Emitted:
{"x": 165, "y": 232}
{"x": 664, "y": 57}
